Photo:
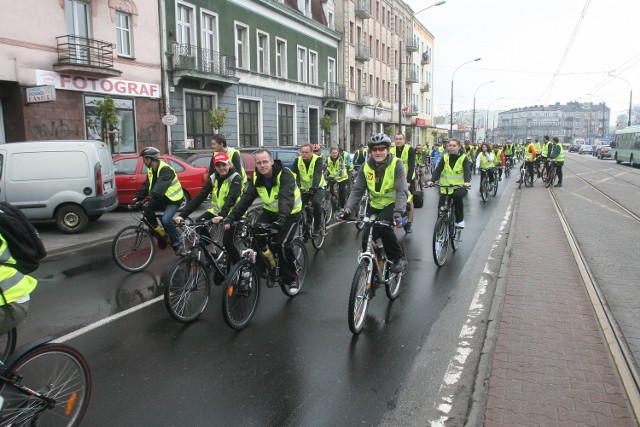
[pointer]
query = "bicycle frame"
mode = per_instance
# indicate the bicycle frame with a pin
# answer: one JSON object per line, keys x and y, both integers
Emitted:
{"x": 370, "y": 252}
{"x": 200, "y": 241}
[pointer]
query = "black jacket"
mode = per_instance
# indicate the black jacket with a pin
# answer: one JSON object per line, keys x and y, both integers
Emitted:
{"x": 161, "y": 183}
{"x": 235, "y": 188}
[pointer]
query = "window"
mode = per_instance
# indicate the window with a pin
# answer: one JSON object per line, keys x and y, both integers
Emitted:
{"x": 123, "y": 34}
{"x": 377, "y": 87}
{"x": 285, "y": 124}
{"x": 281, "y": 58}
{"x": 262, "y": 52}
{"x": 197, "y": 108}
{"x": 248, "y": 123}
{"x": 377, "y": 49}
{"x": 302, "y": 64}
{"x": 242, "y": 46}
{"x": 122, "y": 136}
{"x": 313, "y": 68}
{"x": 78, "y": 17}
{"x": 351, "y": 34}
{"x": 384, "y": 50}
{"x": 184, "y": 25}
{"x": 351, "y": 79}
{"x": 331, "y": 70}
{"x": 330, "y": 20}
{"x": 209, "y": 35}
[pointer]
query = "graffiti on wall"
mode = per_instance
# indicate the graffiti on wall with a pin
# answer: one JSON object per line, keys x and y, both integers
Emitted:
{"x": 150, "y": 134}
{"x": 46, "y": 130}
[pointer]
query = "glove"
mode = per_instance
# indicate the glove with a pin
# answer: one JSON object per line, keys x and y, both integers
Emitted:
{"x": 343, "y": 214}
{"x": 278, "y": 224}
{"x": 397, "y": 218}
{"x": 313, "y": 190}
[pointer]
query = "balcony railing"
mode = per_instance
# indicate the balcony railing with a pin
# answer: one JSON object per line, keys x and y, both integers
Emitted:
{"x": 412, "y": 110}
{"x": 412, "y": 76}
{"x": 362, "y": 52}
{"x": 334, "y": 91}
{"x": 426, "y": 87}
{"x": 362, "y": 9}
{"x": 411, "y": 44}
{"x": 362, "y": 98}
{"x": 188, "y": 57}
{"x": 426, "y": 58}
{"x": 94, "y": 56}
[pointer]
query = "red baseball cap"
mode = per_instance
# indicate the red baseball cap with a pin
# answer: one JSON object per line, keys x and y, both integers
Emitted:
{"x": 220, "y": 157}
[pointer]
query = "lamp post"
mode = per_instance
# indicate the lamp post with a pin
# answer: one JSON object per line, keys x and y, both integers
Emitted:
{"x": 630, "y": 95}
{"x": 489, "y": 109}
{"x": 473, "y": 115}
{"x": 438, "y": 3}
{"x": 451, "y": 103}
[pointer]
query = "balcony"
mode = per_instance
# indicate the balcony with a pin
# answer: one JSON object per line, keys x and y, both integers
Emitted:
{"x": 334, "y": 92}
{"x": 411, "y": 44}
{"x": 425, "y": 87}
{"x": 425, "y": 59}
{"x": 410, "y": 110}
{"x": 362, "y": 99}
{"x": 412, "y": 76}
{"x": 203, "y": 65}
{"x": 85, "y": 57}
{"x": 362, "y": 52}
{"x": 362, "y": 9}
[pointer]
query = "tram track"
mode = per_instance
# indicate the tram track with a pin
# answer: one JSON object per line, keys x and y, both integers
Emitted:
{"x": 620, "y": 351}
{"x": 630, "y": 171}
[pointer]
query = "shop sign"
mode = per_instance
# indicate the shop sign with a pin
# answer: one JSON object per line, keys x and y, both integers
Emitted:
{"x": 41, "y": 94}
{"x": 91, "y": 84}
{"x": 421, "y": 122}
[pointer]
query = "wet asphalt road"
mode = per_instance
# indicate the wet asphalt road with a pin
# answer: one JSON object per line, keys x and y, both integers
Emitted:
{"x": 296, "y": 364}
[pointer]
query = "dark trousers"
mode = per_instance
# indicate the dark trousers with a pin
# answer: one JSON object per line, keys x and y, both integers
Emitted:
{"x": 389, "y": 239}
{"x": 559, "y": 171}
{"x": 529, "y": 166}
{"x": 233, "y": 255}
{"x": 317, "y": 204}
{"x": 486, "y": 172}
{"x": 282, "y": 243}
{"x": 458, "y": 206}
{"x": 342, "y": 191}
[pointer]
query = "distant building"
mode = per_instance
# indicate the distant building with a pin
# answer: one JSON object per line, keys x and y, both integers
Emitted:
{"x": 569, "y": 121}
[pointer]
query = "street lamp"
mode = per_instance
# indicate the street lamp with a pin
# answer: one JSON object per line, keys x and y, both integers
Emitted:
{"x": 438, "y": 3}
{"x": 630, "y": 95}
{"x": 452, "y": 76}
{"x": 489, "y": 109}
{"x": 473, "y": 116}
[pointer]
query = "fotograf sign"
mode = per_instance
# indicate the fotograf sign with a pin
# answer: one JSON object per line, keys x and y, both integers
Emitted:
{"x": 92, "y": 84}
{"x": 41, "y": 94}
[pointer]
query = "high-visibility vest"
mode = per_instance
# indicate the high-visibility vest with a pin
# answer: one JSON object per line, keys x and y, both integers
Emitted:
{"x": 219, "y": 197}
{"x": 545, "y": 149}
{"x": 306, "y": 175}
{"x": 508, "y": 150}
{"x": 337, "y": 169}
{"x": 232, "y": 152}
{"x": 270, "y": 199}
{"x": 497, "y": 159}
{"x": 419, "y": 158}
{"x": 451, "y": 176}
{"x": 560, "y": 157}
{"x": 15, "y": 285}
{"x": 485, "y": 163}
{"x": 528, "y": 155}
{"x": 174, "y": 192}
{"x": 387, "y": 193}
{"x": 405, "y": 160}
{"x": 538, "y": 148}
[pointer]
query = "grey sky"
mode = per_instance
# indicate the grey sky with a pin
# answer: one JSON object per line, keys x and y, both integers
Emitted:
{"x": 522, "y": 44}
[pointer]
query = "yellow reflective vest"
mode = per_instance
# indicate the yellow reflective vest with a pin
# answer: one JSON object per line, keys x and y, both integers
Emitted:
{"x": 218, "y": 197}
{"x": 270, "y": 199}
{"x": 337, "y": 168}
{"x": 230, "y": 153}
{"x": 405, "y": 160}
{"x": 174, "y": 192}
{"x": 306, "y": 175}
{"x": 15, "y": 285}
{"x": 387, "y": 193}
{"x": 451, "y": 176}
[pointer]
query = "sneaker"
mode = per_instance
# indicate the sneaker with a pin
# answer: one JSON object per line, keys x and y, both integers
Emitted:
{"x": 460, "y": 224}
{"x": 399, "y": 265}
{"x": 294, "y": 287}
{"x": 407, "y": 228}
{"x": 180, "y": 250}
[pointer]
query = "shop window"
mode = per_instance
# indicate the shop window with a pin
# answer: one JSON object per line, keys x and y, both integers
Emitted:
{"x": 121, "y": 137}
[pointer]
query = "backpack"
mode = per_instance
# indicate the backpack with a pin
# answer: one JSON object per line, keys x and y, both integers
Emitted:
{"x": 418, "y": 199}
{"x": 22, "y": 237}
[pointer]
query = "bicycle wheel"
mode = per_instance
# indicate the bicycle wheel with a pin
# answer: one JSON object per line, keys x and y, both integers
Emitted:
{"x": 484, "y": 189}
{"x": 507, "y": 171}
{"x": 58, "y": 372}
{"x": 133, "y": 249}
{"x": 360, "y": 295}
{"x": 362, "y": 211}
{"x": 241, "y": 295}
{"x": 495, "y": 186}
{"x": 327, "y": 206}
{"x": 454, "y": 234}
{"x": 528, "y": 179}
{"x": 522, "y": 177}
{"x": 300, "y": 261}
{"x": 392, "y": 284}
{"x": 186, "y": 292}
{"x": 8, "y": 343}
{"x": 551, "y": 175}
{"x": 318, "y": 241}
{"x": 440, "y": 242}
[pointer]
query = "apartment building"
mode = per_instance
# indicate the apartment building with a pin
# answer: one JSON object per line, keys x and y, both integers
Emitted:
{"x": 422, "y": 95}
{"x": 270, "y": 64}
{"x": 59, "y": 58}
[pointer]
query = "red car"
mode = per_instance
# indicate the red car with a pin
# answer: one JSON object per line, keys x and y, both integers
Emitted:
{"x": 131, "y": 174}
{"x": 204, "y": 159}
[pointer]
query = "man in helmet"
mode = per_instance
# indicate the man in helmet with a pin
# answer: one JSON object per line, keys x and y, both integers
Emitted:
{"x": 165, "y": 191}
{"x": 219, "y": 144}
{"x": 408, "y": 156}
{"x": 383, "y": 175}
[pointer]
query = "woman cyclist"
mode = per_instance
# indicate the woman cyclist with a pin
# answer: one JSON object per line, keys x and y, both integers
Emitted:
{"x": 484, "y": 163}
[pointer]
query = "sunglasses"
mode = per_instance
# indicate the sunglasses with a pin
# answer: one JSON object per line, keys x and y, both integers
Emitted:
{"x": 377, "y": 149}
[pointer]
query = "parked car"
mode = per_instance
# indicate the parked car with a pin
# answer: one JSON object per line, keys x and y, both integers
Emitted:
{"x": 574, "y": 148}
{"x": 605, "y": 152}
{"x": 585, "y": 149}
{"x": 131, "y": 173}
{"x": 203, "y": 159}
{"x": 596, "y": 148}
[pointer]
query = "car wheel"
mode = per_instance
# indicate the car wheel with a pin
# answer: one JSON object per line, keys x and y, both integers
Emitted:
{"x": 185, "y": 200}
{"x": 71, "y": 219}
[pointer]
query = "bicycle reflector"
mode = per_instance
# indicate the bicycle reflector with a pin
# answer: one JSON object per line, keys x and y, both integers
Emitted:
{"x": 71, "y": 403}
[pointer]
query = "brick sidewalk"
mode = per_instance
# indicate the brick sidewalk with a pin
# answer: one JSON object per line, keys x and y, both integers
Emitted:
{"x": 551, "y": 365}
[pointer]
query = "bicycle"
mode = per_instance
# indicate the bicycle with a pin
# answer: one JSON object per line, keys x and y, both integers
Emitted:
{"x": 445, "y": 232}
{"x": 508, "y": 166}
{"x": 306, "y": 225}
{"x": 486, "y": 186}
{"x": 133, "y": 248}
{"x": 373, "y": 271}
{"x": 242, "y": 286}
{"x": 525, "y": 176}
{"x": 186, "y": 293}
{"x": 362, "y": 210}
{"x": 551, "y": 176}
{"x": 43, "y": 383}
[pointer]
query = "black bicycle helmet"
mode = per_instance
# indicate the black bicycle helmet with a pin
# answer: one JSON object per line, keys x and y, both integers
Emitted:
{"x": 379, "y": 139}
{"x": 150, "y": 152}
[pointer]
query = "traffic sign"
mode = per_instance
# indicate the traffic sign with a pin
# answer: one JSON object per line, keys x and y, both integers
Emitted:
{"x": 169, "y": 120}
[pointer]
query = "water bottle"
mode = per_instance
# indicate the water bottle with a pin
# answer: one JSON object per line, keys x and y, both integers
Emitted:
{"x": 379, "y": 251}
{"x": 269, "y": 256}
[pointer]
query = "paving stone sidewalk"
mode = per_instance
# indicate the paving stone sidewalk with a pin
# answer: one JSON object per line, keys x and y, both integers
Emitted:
{"x": 551, "y": 365}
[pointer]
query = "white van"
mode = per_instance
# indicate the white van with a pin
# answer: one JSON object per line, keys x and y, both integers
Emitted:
{"x": 72, "y": 182}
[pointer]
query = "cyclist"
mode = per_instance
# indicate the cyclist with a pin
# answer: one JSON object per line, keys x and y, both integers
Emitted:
{"x": 163, "y": 186}
{"x": 498, "y": 160}
{"x": 384, "y": 177}
{"x": 16, "y": 287}
{"x": 484, "y": 163}
{"x": 338, "y": 173}
{"x": 529, "y": 158}
{"x": 453, "y": 169}
{"x": 225, "y": 187}
{"x": 318, "y": 152}
{"x": 308, "y": 171}
{"x": 544, "y": 154}
{"x": 508, "y": 153}
{"x": 408, "y": 156}
{"x": 276, "y": 187}
{"x": 556, "y": 155}
{"x": 359, "y": 157}
{"x": 421, "y": 162}
{"x": 219, "y": 144}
